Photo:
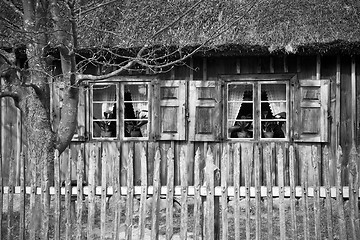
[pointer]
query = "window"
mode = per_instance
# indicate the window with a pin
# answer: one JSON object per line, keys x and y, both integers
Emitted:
{"x": 119, "y": 110}
{"x": 257, "y": 110}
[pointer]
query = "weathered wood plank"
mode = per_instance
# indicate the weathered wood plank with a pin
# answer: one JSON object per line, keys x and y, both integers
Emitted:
{"x": 91, "y": 186}
{"x": 130, "y": 194}
{"x": 328, "y": 205}
{"x": 224, "y": 189}
{"x": 1, "y": 195}
{"x": 209, "y": 175}
{"x": 68, "y": 197}
{"x": 104, "y": 163}
{"x": 292, "y": 165}
{"x": 280, "y": 158}
{"x": 10, "y": 207}
{"x": 354, "y": 192}
{"x": 34, "y": 211}
{"x": 257, "y": 192}
{"x": 142, "y": 207}
{"x": 79, "y": 198}
{"x": 268, "y": 153}
{"x": 315, "y": 164}
{"x": 305, "y": 203}
{"x": 117, "y": 195}
{"x": 170, "y": 192}
{"x": 247, "y": 153}
{"x": 197, "y": 197}
{"x": 237, "y": 169}
{"x": 183, "y": 201}
{"x": 156, "y": 196}
{"x": 57, "y": 197}
{"x": 22, "y": 197}
{"x": 339, "y": 195}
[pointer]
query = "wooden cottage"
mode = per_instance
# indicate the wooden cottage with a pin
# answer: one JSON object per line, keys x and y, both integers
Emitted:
{"x": 277, "y": 74}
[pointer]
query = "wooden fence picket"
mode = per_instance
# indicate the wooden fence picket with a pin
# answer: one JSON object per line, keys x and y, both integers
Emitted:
{"x": 130, "y": 194}
{"x": 183, "y": 200}
{"x": 67, "y": 184}
{"x": 305, "y": 201}
{"x": 79, "y": 198}
{"x": 247, "y": 156}
{"x": 104, "y": 164}
{"x": 354, "y": 193}
{"x": 315, "y": 163}
{"x": 267, "y": 156}
{"x": 156, "y": 197}
{"x": 143, "y": 196}
{"x": 1, "y": 197}
{"x": 91, "y": 195}
{"x": 292, "y": 191}
{"x": 210, "y": 197}
{"x": 280, "y": 159}
{"x": 197, "y": 197}
{"x": 257, "y": 193}
{"x": 224, "y": 192}
{"x": 22, "y": 229}
{"x": 10, "y": 208}
{"x": 339, "y": 194}
{"x": 117, "y": 196}
{"x": 57, "y": 186}
{"x": 237, "y": 209}
{"x": 328, "y": 205}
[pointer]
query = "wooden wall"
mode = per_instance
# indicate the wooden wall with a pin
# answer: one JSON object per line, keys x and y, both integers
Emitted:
{"x": 343, "y": 71}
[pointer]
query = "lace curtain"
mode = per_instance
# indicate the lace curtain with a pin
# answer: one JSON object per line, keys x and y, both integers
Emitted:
{"x": 275, "y": 92}
{"x": 236, "y": 93}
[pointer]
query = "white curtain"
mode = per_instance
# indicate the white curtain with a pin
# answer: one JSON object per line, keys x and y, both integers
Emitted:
{"x": 236, "y": 93}
{"x": 275, "y": 92}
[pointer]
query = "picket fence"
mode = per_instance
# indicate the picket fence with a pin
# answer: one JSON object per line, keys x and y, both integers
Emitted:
{"x": 208, "y": 210}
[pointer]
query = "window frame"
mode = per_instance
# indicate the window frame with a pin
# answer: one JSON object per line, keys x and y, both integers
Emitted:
{"x": 119, "y": 83}
{"x": 257, "y": 80}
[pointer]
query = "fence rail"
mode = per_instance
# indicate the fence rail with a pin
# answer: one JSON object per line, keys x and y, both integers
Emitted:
{"x": 211, "y": 208}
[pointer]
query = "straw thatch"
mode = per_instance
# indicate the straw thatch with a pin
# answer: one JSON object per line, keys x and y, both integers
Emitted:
{"x": 226, "y": 25}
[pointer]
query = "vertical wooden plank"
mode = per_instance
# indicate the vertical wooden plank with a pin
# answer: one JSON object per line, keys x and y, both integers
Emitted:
{"x": 57, "y": 208}
{"x": 45, "y": 195}
{"x": 247, "y": 154}
{"x": 91, "y": 188}
{"x": 104, "y": 163}
{"x": 315, "y": 163}
{"x": 328, "y": 205}
{"x": 217, "y": 156}
{"x": 224, "y": 191}
{"x": 22, "y": 197}
{"x": 117, "y": 195}
{"x": 197, "y": 197}
{"x": 142, "y": 208}
{"x": 156, "y": 196}
{"x": 68, "y": 198}
{"x": 237, "y": 170}
{"x": 34, "y": 224}
{"x": 130, "y": 194}
{"x": 354, "y": 192}
{"x": 210, "y": 188}
{"x": 305, "y": 204}
{"x": 184, "y": 188}
{"x": 170, "y": 191}
{"x": 318, "y": 66}
{"x": 79, "y": 197}
{"x": 268, "y": 153}
{"x": 1, "y": 194}
{"x": 280, "y": 158}
{"x": 292, "y": 191}
{"x": 257, "y": 193}
{"x": 271, "y": 63}
{"x": 204, "y": 68}
{"x": 10, "y": 207}
{"x": 339, "y": 194}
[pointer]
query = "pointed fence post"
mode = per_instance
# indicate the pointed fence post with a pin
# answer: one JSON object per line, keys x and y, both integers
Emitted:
{"x": 184, "y": 194}
{"x": 79, "y": 200}
{"x": 209, "y": 171}
{"x": 144, "y": 189}
{"x": 198, "y": 199}
{"x": 329, "y": 223}
{"x": 130, "y": 194}
{"x": 354, "y": 192}
{"x": 156, "y": 197}
{"x": 224, "y": 191}
{"x": 57, "y": 208}
{"x": 339, "y": 194}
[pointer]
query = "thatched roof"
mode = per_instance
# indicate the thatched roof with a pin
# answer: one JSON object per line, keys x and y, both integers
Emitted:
{"x": 268, "y": 25}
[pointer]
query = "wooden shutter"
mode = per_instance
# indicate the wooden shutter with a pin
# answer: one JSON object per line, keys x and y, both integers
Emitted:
{"x": 205, "y": 110}
{"x": 311, "y": 102}
{"x": 169, "y": 121}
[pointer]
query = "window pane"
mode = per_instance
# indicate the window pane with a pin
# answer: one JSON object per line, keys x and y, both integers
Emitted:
{"x": 104, "y": 128}
{"x": 104, "y": 92}
{"x": 273, "y": 129}
{"x": 273, "y": 92}
{"x": 136, "y": 92}
{"x": 104, "y": 111}
{"x": 240, "y": 92}
{"x": 240, "y": 129}
{"x": 271, "y": 110}
{"x": 136, "y": 128}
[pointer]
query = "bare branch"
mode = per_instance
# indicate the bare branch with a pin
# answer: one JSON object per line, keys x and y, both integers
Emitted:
{"x": 13, "y": 7}
{"x": 96, "y": 7}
